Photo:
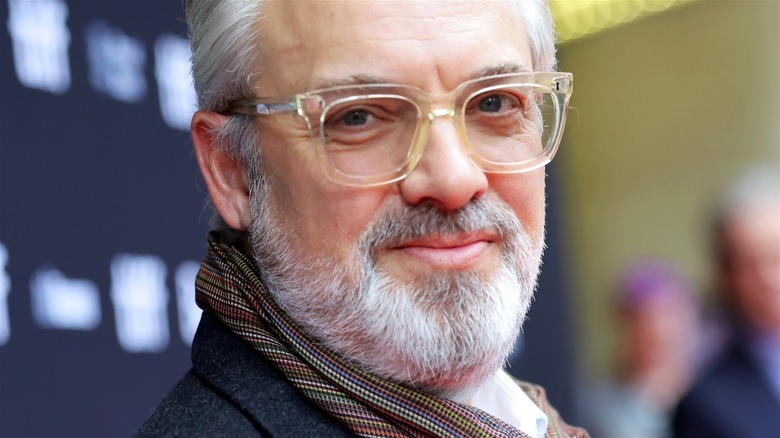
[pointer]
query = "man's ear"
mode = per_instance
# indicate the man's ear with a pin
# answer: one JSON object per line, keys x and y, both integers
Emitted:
{"x": 225, "y": 176}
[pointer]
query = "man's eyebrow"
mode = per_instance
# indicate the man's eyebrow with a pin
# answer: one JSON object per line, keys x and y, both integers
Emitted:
{"x": 500, "y": 69}
{"x": 365, "y": 79}
{"x": 360, "y": 79}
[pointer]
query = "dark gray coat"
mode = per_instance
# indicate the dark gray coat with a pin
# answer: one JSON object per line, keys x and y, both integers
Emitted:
{"x": 733, "y": 399}
{"x": 232, "y": 391}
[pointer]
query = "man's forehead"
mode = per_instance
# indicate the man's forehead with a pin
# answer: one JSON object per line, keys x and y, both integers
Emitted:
{"x": 291, "y": 21}
{"x": 373, "y": 38}
{"x": 327, "y": 15}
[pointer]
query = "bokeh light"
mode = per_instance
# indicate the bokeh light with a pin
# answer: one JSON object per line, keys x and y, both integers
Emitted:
{"x": 578, "y": 18}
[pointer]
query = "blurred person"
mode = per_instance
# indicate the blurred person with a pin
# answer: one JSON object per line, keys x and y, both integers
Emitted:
{"x": 379, "y": 179}
{"x": 739, "y": 394}
{"x": 657, "y": 323}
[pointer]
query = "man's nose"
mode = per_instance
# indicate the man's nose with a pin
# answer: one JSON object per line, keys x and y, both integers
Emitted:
{"x": 445, "y": 175}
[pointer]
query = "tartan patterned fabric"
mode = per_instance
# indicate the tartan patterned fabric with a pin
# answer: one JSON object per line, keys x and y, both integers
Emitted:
{"x": 229, "y": 284}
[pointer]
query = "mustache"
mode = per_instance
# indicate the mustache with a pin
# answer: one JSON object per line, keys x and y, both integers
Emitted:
{"x": 420, "y": 221}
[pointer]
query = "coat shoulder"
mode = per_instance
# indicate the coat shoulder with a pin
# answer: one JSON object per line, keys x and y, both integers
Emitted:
{"x": 195, "y": 409}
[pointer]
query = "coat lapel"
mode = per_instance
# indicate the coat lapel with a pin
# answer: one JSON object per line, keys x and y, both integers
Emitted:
{"x": 255, "y": 386}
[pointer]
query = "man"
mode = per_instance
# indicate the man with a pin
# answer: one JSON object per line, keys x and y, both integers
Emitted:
{"x": 654, "y": 360}
{"x": 739, "y": 395}
{"x": 378, "y": 169}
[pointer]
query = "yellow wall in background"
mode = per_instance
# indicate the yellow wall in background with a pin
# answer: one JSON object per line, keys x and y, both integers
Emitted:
{"x": 665, "y": 111}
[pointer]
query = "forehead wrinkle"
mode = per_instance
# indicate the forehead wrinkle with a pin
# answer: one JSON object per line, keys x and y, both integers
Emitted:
{"x": 413, "y": 30}
{"x": 411, "y": 26}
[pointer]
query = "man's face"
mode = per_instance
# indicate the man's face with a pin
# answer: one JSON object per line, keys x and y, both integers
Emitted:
{"x": 752, "y": 271}
{"x": 450, "y": 243}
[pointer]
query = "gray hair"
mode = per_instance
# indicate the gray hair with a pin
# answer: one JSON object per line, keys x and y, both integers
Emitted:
{"x": 224, "y": 35}
{"x": 756, "y": 185}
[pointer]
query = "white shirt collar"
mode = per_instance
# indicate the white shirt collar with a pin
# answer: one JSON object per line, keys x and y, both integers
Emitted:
{"x": 501, "y": 397}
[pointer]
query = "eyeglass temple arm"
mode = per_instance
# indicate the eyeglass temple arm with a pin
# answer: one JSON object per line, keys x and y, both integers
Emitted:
{"x": 262, "y": 107}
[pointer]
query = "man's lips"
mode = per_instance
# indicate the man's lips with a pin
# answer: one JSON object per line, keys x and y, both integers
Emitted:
{"x": 449, "y": 251}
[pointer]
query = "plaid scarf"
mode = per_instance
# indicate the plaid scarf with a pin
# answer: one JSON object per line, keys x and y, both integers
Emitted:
{"x": 229, "y": 284}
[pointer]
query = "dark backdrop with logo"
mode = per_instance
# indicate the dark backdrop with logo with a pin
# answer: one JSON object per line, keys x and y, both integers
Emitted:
{"x": 102, "y": 221}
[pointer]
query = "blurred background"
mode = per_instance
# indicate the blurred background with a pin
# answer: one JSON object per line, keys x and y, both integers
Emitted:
{"x": 102, "y": 218}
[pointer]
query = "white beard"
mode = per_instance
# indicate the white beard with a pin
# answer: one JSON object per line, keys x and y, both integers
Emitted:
{"x": 447, "y": 333}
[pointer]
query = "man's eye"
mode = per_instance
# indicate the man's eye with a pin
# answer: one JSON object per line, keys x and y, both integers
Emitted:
{"x": 355, "y": 117}
{"x": 498, "y": 103}
{"x": 490, "y": 104}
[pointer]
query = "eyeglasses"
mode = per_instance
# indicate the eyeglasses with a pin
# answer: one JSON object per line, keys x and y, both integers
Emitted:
{"x": 376, "y": 133}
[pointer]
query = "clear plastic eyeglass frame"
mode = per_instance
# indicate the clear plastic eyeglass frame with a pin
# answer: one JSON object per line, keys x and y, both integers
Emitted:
{"x": 315, "y": 107}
